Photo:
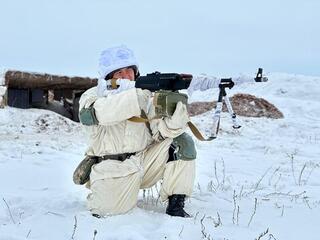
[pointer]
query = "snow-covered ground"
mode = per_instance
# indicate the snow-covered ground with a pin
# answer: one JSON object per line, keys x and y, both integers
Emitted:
{"x": 262, "y": 179}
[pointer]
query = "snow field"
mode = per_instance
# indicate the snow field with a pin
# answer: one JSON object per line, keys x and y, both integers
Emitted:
{"x": 259, "y": 181}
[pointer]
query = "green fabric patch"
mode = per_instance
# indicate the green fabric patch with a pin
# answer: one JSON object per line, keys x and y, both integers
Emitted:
{"x": 166, "y": 102}
{"x": 88, "y": 117}
{"x": 186, "y": 147}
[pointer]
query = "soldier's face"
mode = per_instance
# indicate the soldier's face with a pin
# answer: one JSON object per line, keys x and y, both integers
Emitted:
{"x": 125, "y": 73}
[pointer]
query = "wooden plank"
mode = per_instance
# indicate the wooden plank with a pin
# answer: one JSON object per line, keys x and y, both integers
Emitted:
{"x": 28, "y": 80}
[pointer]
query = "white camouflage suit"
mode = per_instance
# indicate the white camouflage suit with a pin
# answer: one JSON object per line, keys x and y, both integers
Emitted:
{"x": 115, "y": 184}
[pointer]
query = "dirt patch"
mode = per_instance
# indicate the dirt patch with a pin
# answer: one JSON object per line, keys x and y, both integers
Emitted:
{"x": 54, "y": 122}
{"x": 243, "y": 105}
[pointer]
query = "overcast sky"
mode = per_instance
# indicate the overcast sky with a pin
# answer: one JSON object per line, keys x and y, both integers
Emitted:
{"x": 220, "y": 38}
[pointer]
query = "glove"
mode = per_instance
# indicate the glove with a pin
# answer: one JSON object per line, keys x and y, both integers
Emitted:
{"x": 180, "y": 117}
{"x": 124, "y": 84}
{"x": 144, "y": 99}
{"x": 104, "y": 91}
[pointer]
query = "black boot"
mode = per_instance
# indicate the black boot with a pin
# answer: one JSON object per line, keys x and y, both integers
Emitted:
{"x": 176, "y": 205}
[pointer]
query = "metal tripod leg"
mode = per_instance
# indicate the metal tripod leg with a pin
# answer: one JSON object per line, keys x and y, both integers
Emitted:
{"x": 225, "y": 83}
{"x": 216, "y": 120}
{"x": 231, "y": 112}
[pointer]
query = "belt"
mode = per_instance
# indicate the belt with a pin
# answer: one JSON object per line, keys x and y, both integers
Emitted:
{"x": 119, "y": 157}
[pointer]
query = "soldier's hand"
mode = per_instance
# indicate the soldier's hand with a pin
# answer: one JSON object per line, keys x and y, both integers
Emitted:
{"x": 180, "y": 117}
{"x": 124, "y": 84}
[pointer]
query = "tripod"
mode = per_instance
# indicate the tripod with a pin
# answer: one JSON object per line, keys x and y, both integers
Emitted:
{"x": 224, "y": 83}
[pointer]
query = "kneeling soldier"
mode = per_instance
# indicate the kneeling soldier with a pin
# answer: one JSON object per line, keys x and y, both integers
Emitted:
{"x": 125, "y": 154}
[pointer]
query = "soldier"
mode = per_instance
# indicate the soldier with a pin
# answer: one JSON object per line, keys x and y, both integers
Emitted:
{"x": 124, "y": 155}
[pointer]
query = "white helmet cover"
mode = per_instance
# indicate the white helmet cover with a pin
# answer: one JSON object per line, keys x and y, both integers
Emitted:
{"x": 115, "y": 58}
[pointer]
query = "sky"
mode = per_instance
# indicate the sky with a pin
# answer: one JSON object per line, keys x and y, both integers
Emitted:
{"x": 221, "y": 38}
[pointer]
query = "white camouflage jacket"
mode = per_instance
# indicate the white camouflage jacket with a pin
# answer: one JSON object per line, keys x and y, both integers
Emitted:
{"x": 115, "y": 134}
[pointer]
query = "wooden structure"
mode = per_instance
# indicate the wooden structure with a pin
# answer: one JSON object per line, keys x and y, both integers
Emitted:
{"x": 27, "y": 80}
{"x": 27, "y": 89}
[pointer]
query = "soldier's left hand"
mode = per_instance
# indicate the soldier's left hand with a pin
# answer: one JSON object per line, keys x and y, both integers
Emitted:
{"x": 180, "y": 117}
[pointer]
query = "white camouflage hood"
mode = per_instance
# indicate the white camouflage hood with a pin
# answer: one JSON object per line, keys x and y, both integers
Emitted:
{"x": 110, "y": 60}
{"x": 115, "y": 58}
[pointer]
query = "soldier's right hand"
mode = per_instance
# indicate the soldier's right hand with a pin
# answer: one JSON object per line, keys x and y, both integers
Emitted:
{"x": 180, "y": 117}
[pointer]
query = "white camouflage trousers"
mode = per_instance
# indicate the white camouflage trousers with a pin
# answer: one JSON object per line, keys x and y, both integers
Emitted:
{"x": 115, "y": 185}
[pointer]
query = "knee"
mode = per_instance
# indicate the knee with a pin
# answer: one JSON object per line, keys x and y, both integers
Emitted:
{"x": 182, "y": 148}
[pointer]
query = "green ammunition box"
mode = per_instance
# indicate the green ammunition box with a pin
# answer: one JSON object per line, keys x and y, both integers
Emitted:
{"x": 165, "y": 102}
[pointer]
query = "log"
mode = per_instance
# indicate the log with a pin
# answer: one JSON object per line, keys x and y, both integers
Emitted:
{"x": 25, "y": 80}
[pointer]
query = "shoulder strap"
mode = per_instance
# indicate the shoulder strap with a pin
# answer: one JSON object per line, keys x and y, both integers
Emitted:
{"x": 138, "y": 119}
{"x": 142, "y": 119}
{"x": 192, "y": 127}
{"x": 197, "y": 133}
{"x": 114, "y": 83}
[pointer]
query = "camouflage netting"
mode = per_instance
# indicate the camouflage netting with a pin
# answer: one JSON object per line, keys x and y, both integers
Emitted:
{"x": 243, "y": 105}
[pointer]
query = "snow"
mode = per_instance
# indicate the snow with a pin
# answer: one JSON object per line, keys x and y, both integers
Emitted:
{"x": 2, "y": 74}
{"x": 3, "y": 89}
{"x": 273, "y": 162}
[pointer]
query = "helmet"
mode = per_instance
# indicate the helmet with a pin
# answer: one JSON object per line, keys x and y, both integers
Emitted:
{"x": 116, "y": 58}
